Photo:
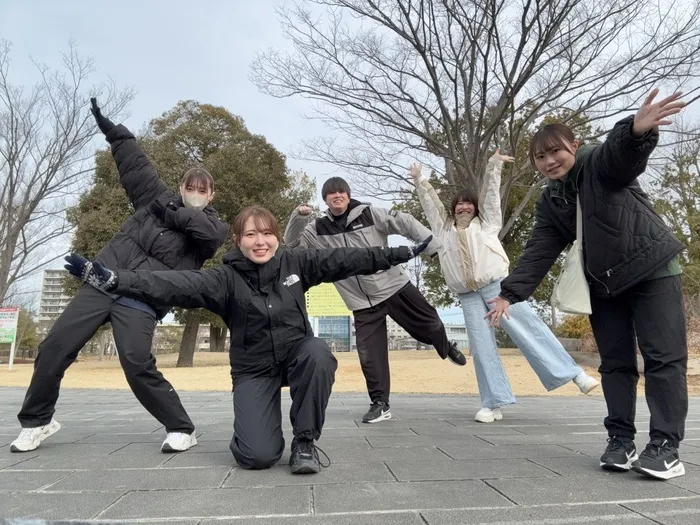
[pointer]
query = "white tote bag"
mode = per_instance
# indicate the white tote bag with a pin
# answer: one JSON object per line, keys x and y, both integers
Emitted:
{"x": 571, "y": 293}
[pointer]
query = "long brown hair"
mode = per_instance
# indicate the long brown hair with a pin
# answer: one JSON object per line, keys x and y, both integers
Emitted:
{"x": 264, "y": 222}
{"x": 549, "y": 137}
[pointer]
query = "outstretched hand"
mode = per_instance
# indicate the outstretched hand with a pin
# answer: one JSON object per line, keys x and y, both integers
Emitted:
{"x": 651, "y": 115}
{"x": 503, "y": 158}
{"x": 92, "y": 273}
{"x": 419, "y": 248}
{"x": 415, "y": 170}
{"x": 103, "y": 122}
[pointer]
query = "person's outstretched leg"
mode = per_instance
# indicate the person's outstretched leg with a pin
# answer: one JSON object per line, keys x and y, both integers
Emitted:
{"x": 88, "y": 310}
{"x": 659, "y": 321}
{"x": 133, "y": 337}
{"x": 417, "y": 316}
{"x": 543, "y": 351}
{"x": 373, "y": 352}
{"x": 258, "y": 442}
{"x": 494, "y": 387}
{"x": 310, "y": 373}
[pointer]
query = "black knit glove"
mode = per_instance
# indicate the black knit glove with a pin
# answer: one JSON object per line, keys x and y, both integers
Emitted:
{"x": 92, "y": 273}
{"x": 419, "y": 248}
{"x": 403, "y": 254}
{"x": 103, "y": 122}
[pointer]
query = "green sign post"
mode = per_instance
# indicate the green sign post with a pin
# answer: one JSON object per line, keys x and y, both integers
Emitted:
{"x": 8, "y": 329}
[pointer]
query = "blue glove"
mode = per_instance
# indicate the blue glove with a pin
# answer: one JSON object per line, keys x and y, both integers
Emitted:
{"x": 92, "y": 273}
{"x": 418, "y": 248}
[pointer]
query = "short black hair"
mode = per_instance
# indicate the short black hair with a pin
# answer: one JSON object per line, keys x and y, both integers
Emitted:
{"x": 333, "y": 185}
{"x": 466, "y": 195}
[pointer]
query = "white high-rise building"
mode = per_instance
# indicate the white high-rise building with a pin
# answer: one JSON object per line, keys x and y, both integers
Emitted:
{"x": 53, "y": 298}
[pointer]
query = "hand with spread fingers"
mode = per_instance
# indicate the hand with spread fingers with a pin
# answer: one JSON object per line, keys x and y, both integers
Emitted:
{"x": 415, "y": 170}
{"x": 500, "y": 308}
{"x": 503, "y": 158}
{"x": 652, "y": 115}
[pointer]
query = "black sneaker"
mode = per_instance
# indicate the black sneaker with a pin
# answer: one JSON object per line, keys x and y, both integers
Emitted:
{"x": 619, "y": 454}
{"x": 304, "y": 459}
{"x": 378, "y": 411}
{"x": 455, "y": 355}
{"x": 659, "y": 460}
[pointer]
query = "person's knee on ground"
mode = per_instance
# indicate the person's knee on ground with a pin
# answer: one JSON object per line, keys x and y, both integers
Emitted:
{"x": 256, "y": 456}
{"x": 315, "y": 354}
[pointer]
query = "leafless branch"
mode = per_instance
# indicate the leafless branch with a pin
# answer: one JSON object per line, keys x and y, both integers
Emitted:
{"x": 45, "y": 132}
{"x": 445, "y": 81}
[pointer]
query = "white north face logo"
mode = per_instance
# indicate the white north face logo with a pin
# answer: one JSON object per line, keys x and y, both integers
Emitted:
{"x": 289, "y": 281}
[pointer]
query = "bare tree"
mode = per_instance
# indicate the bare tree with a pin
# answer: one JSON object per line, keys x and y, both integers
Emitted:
{"x": 675, "y": 193}
{"x": 452, "y": 79}
{"x": 45, "y": 160}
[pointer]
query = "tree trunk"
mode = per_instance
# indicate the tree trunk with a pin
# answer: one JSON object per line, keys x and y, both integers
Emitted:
{"x": 189, "y": 338}
{"x": 217, "y": 339}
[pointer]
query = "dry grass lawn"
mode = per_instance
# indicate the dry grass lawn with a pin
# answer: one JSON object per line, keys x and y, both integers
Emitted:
{"x": 411, "y": 372}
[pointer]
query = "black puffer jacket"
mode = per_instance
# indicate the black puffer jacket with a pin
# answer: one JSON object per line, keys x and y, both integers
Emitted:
{"x": 624, "y": 239}
{"x": 263, "y": 305}
{"x": 179, "y": 239}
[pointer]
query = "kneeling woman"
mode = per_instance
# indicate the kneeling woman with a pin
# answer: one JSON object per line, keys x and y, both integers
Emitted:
{"x": 259, "y": 292}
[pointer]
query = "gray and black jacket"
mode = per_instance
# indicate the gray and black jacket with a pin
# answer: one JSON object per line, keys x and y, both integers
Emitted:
{"x": 366, "y": 226}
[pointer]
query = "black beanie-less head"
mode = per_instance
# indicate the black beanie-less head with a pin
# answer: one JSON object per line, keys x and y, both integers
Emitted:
{"x": 333, "y": 185}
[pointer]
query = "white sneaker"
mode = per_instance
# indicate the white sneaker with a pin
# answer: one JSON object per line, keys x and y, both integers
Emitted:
{"x": 178, "y": 442}
{"x": 31, "y": 438}
{"x": 488, "y": 415}
{"x": 586, "y": 383}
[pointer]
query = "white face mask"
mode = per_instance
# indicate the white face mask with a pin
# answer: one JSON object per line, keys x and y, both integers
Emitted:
{"x": 195, "y": 201}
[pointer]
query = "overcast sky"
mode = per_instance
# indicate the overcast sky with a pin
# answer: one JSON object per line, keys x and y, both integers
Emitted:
{"x": 168, "y": 55}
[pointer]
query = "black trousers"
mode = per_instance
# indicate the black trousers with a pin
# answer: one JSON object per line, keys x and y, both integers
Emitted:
{"x": 414, "y": 314}
{"x": 133, "y": 334}
{"x": 653, "y": 312}
{"x": 309, "y": 371}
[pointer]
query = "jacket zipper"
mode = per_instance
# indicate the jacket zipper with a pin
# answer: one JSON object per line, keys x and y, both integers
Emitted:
{"x": 601, "y": 282}
{"x": 608, "y": 272}
{"x": 269, "y": 323}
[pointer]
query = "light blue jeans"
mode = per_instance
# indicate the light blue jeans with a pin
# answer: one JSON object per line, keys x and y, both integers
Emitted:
{"x": 547, "y": 357}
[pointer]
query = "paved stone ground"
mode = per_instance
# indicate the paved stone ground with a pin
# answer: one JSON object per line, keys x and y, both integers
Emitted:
{"x": 431, "y": 465}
